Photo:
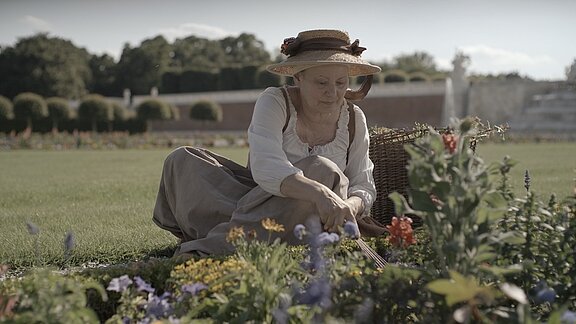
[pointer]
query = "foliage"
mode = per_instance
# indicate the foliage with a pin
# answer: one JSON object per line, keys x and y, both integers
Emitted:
{"x": 29, "y": 106}
{"x": 95, "y": 108}
{"x": 483, "y": 255}
{"x": 103, "y": 81}
{"x": 153, "y": 109}
{"x": 58, "y": 110}
{"x": 49, "y": 66}
{"x": 47, "y": 297}
{"x": 206, "y": 110}
{"x": 6, "y": 108}
{"x": 415, "y": 62}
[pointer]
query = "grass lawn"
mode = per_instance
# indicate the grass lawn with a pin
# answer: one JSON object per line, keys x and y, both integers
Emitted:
{"x": 106, "y": 199}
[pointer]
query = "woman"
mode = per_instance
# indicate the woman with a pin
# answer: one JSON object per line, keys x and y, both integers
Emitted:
{"x": 308, "y": 156}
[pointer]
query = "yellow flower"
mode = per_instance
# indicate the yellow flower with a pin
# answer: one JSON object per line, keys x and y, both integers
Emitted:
{"x": 234, "y": 234}
{"x": 271, "y": 225}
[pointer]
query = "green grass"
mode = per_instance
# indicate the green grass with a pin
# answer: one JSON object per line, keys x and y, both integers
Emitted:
{"x": 106, "y": 199}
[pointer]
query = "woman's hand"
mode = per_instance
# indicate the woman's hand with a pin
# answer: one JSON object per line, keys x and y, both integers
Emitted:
{"x": 333, "y": 210}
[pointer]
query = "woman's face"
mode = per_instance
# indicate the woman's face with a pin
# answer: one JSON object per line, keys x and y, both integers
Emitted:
{"x": 323, "y": 87}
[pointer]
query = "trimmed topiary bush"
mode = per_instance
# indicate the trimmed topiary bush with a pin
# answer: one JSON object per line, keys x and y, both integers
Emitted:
{"x": 395, "y": 76}
{"x": 95, "y": 108}
{"x": 6, "y": 108}
{"x": 153, "y": 109}
{"x": 29, "y": 106}
{"x": 58, "y": 110}
{"x": 206, "y": 111}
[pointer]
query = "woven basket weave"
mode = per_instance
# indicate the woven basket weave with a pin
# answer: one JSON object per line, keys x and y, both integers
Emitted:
{"x": 390, "y": 173}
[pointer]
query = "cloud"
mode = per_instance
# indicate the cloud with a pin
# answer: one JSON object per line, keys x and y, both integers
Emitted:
{"x": 38, "y": 24}
{"x": 498, "y": 58}
{"x": 199, "y": 30}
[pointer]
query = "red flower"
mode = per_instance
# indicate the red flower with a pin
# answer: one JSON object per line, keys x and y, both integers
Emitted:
{"x": 450, "y": 142}
{"x": 401, "y": 233}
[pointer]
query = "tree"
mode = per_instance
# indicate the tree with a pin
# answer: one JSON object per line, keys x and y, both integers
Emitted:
{"x": 58, "y": 110}
{"x": 48, "y": 66}
{"x": 6, "y": 109}
{"x": 206, "y": 110}
{"x": 30, "y": 106}
{"x": 95, "y": 108}
{"x": 198, "y": 54}
{"x": 103, "y": 70}
{"x": 244, "y": 50}
{"x": 153, "y": 109}
{"x": 141, "y": 68}
{"x": 416, "y": 62}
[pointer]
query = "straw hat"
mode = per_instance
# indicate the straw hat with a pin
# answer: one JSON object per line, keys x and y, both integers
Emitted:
{"x": 323, "y": 46}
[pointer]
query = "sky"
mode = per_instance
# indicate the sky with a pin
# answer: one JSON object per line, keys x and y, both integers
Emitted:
{"x": 531, "y": 37}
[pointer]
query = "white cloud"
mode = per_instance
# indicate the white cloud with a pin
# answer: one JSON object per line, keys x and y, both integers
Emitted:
{"x": 38, "y": 24}
{"x": 199, "y": 30}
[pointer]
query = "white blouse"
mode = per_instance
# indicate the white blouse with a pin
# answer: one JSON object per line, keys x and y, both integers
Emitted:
{"x": 273, "y": 152}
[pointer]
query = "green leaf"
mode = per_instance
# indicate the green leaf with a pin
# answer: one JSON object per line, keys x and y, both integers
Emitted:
{"x": 421, "y": 201}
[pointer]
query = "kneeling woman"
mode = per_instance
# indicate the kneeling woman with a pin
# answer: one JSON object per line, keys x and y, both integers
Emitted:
{"x": 308, "y": 156}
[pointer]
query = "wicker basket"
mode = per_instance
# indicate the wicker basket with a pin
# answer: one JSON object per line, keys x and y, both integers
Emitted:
{"x": 390, "y": 173}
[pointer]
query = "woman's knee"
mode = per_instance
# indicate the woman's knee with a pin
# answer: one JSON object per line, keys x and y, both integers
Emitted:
{"x": 320, "y": 169}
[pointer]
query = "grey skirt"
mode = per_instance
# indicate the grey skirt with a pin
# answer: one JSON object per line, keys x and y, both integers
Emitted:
{"x": 203, "y": 195}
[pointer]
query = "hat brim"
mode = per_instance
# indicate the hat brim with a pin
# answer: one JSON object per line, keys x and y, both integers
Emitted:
{"x": 293, "y": 64}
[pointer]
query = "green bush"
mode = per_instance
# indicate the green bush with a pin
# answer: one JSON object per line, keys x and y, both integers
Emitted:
{"x": 6, "y": 109}
{"x": 206, "y": 110}
{"x": 395, "y": 76}
{"x": 153, "y": 109}
{"x": 266, "y": 79}
{"x": 58, "y": 110}
{"x": 29, "y": 106}
{"x": 95, "y": 108}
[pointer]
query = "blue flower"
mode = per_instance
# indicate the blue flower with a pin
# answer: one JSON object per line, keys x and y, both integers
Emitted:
{"x": 318, "y": 293}
{"x": 158, "y": 306}
{"x": 142, "y": 285}
{"x": 194, "y": 289}
{"x": 119, "y": 284}
{"x": 568, "y": 317}
{"x": 32, "y": 228}
{"x": 326, "y": 238}
{"x": 68, "y": 242}
{"x": 299, "y": 231}
{"x": 545, "y": 295}
{"x": 351, "y": 230}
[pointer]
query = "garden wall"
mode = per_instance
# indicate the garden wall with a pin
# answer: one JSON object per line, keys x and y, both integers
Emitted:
{"x": 390, "y": 105}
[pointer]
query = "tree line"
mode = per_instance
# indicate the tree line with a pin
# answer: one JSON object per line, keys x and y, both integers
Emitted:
{"x": 55, "y": 67}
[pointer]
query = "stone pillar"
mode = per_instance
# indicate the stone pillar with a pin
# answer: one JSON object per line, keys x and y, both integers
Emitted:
{"x": 460, "y": 84}
{"x": 127, "y": 95}
{"x": 571, "y": 73}
{"x": 154, "y": 92}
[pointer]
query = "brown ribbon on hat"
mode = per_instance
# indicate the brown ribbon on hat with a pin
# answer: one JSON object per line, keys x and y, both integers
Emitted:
{"x": 357, "y": 95}
{"x": 294, "y": 45}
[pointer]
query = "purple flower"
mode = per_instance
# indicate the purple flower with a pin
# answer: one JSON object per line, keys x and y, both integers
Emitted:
{"x": 119, "y": 284}
{"x": 351, "y": 230}
{"x": 68, "y": 242}
{"x": 318, "y": 293}
{"x": 545, "y": 295}
{"x": 158, "y": 306}
{"x": 142, "y": 285}
{"x": 326, "y": 238}
{"x": 32, "y": 228}
{"x": 194, "y": 289}
{"x": 299, "y": 231}
{"x": 568, "y": 317}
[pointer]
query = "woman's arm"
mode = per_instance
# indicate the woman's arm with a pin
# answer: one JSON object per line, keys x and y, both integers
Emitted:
{"x": 333, "y": 210}
{"x": 359, "y": 168}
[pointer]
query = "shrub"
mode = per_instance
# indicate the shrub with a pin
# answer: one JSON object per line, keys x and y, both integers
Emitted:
{"x": 153, "y": 109}
{"x": 266, "y": 79}
{"x": 6, "y": 108}
{"x": 95, "y": 108}
{"x": 58, "y": 110}
{"x": 30, "y": 106}
{"x": 395, "y": 76}
{"x": 197, "y": 81}
{"x": 206, "y": 110}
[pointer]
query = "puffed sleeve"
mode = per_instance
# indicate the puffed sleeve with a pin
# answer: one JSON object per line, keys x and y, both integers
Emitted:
{"x": 268, "y": 161}
{"x": 359, "y": 168}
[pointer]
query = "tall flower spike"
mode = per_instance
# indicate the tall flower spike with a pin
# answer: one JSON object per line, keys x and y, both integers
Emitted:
{"x": 527, "y": 180}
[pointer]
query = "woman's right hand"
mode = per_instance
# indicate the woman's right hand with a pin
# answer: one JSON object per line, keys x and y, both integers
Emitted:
{"x": 333, "y": 210}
